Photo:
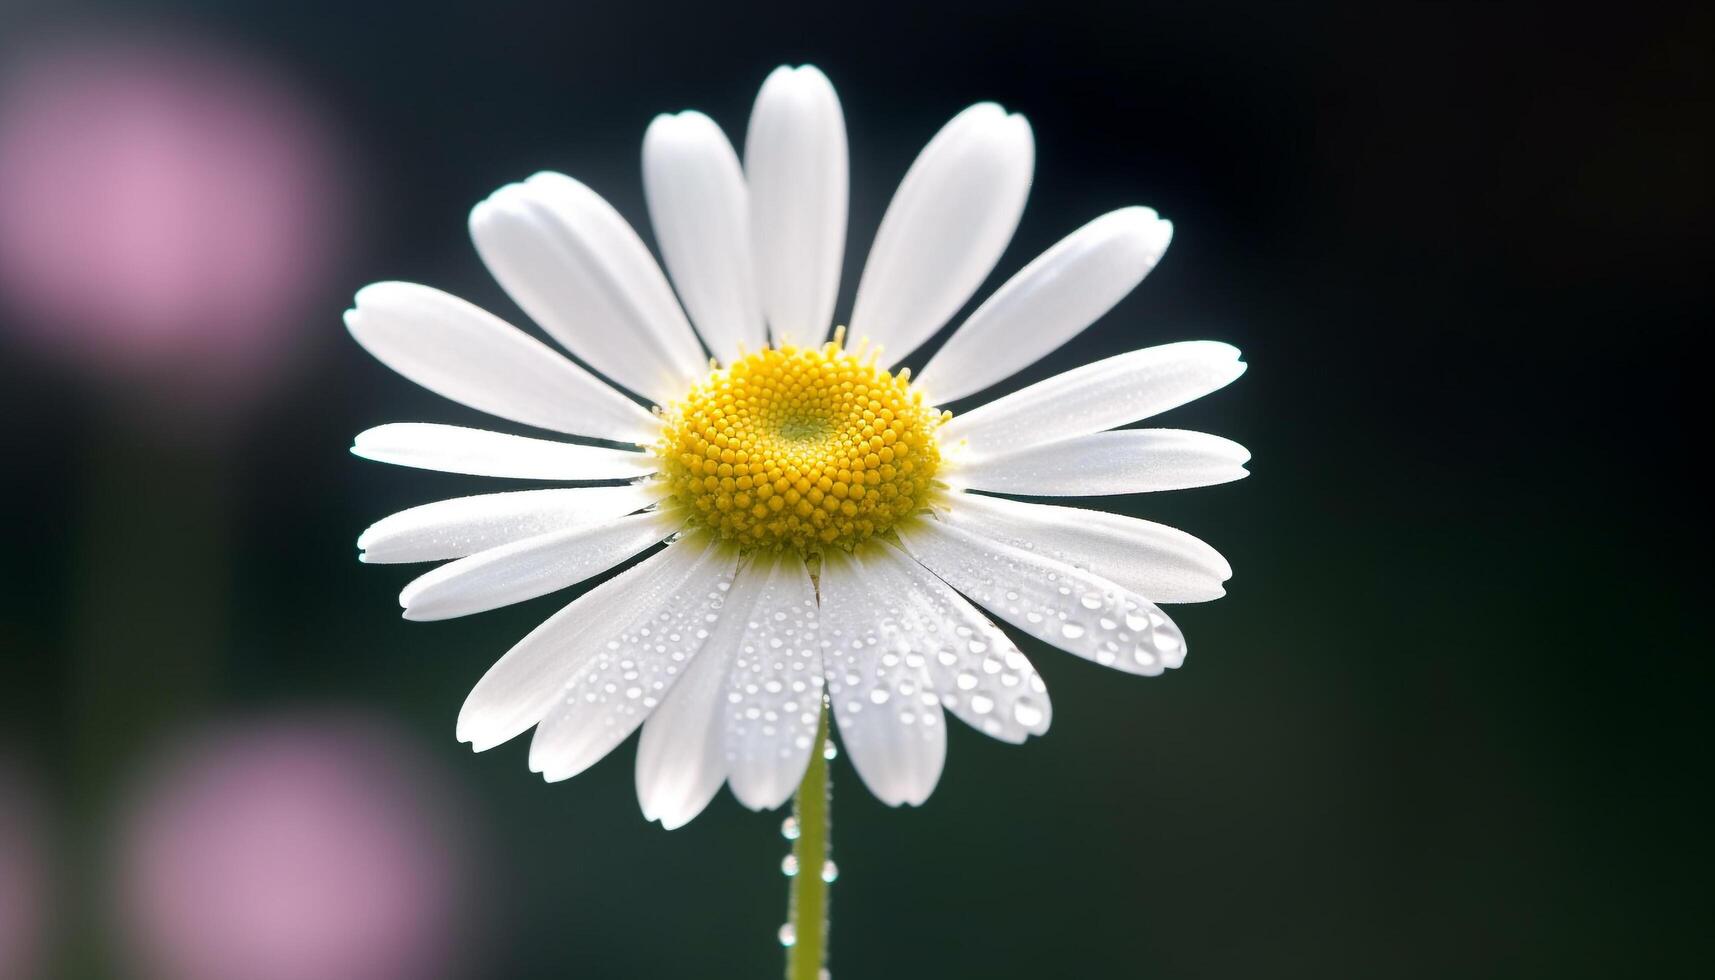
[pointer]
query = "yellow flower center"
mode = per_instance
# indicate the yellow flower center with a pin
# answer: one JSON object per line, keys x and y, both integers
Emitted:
{"x": 801, "y": 449}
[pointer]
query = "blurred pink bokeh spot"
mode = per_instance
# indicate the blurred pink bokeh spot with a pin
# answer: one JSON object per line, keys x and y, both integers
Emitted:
{"x": 23, "y": 877}
{"x": 299, "y": 849}
{"x": 167, "y": 210}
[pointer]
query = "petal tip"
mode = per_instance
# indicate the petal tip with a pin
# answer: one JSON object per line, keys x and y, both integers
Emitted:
{"x": 541, "y": 177}
{"x": 1161, "y": 235}
{"x": 469, "y": 732}
{"x": 376, "y": 292}
{"x": 675, "y": 814}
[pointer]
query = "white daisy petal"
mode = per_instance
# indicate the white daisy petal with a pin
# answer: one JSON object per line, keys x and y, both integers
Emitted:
{"x": 1153, "y": 560}
{"x": 466, "y": 525}
{"x": 532, "y": 567}
{"x": 796, "y": 165}
{"x": 1122, "y": 461}
{"x": 1067, "y": 607}
{"x": 774, "y": 687}
{"x": 701, "y": 214}
{"x": 464, "y": 353}
{"x": 1048, "y": 302}
{"x": 456, "y": 449}
{"x": 681, "y": 756}
{"x": 614, "y": 690}
{"x": 978, "y": 673}
{"x": 522, "y": 685}
{"x": 890, "y": 720}
{"x": 1110, "y": 393}
{"x": 948, "y": 224}
{"x": 568, "y": 259}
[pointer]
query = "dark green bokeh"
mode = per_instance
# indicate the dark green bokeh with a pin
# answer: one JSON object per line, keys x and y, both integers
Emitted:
{"x": 1450, "y": 720}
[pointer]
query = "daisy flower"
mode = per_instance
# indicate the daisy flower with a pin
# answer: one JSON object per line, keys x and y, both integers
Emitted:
{"x": 831, "y": 533}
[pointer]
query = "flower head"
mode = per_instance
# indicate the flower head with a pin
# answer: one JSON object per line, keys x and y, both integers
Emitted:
{"x": 800, "y": 449}
{"x": 830, "y": 530}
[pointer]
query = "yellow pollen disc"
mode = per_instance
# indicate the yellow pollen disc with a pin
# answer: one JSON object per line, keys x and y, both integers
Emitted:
{"x": 800, "y": 449}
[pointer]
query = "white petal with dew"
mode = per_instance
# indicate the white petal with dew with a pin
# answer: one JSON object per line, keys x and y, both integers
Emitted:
{"x": 466, "y": 525}
{"x": 795, "y": 162}
{"x": 464, "y": 353}
{"x": 1162, "y": 563}
{"x": 478, "y": 452}
{"x": 1122, "y": 461}
{"x": 532, "y": 567}
{"x": 947, "y": 225}
{"x": 1110, "y": 393}
{"x": 774, "y": 685}
{"x": 1048, "y": 302}
{"x": 1081, "y": 613}
{"x": 681, "y": 756}
{"x": 520, "y": 687}
{"x": 701, "y": 213}
{"x": 616, "y": 688}
{"x": 978, "y": 673}
{"x": 890, "y": 718}
{"x": 568, "y": 259}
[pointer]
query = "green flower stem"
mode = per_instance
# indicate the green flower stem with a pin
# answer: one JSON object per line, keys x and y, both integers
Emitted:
{"x": 808, "y": 912}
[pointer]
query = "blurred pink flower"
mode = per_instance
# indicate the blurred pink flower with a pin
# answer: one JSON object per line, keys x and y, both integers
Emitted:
{"x": 167, "y": 209}
{"x": 23, "y": 877}
{"x": 301, "y": 849}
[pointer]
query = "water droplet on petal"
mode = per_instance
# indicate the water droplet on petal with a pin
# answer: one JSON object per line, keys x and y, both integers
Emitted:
{"x": 1026, "y": 712}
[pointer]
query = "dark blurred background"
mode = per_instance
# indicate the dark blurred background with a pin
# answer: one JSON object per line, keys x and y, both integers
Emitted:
{"x": 1451, "y": 719}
